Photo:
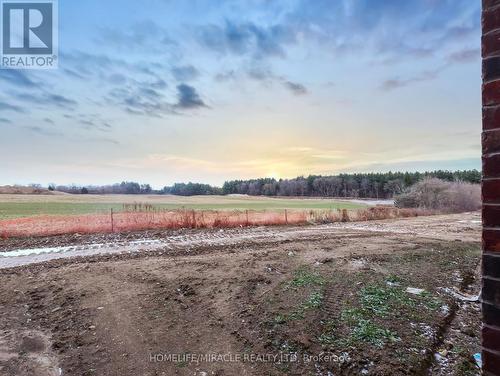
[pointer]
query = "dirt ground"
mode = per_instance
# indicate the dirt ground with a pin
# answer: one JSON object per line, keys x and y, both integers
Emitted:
{"x": 375, "y": 298}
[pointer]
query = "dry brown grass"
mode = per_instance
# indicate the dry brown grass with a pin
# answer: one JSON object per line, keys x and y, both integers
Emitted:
{"x": 143, "y": 217}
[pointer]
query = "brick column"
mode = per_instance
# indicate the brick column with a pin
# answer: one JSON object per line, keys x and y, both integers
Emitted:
{"x": 491, "y": 187}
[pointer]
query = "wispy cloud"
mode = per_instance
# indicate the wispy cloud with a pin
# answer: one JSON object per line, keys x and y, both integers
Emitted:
{"x": 266, "y": 76}
{"x": 146, "y": 36}
{"x": 17, "y": 78}
{"x": 11, "y": 107}
{"x": 185, "y": 73}
{"x": 382, "y": 27}
{"x": 465, "y": 56}
{"x": 146, "y": 101}
{"x": 95, "y": 124}
{"x": 105, "y": 140}
{"x": 295, "y": 88}
{"x": 45, "y": 98}
{"x": 247, "y": 38}
{"x": 42, "y": 131}
{"x": 188, "y": 98}
{"x": 397, "y": 83}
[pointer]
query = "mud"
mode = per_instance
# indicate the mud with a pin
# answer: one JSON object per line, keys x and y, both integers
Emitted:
{"x": 17, "y": 252}
{"x": 240, "y": 292}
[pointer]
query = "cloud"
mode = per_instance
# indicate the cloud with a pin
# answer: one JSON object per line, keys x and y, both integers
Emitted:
{"x": 49, "y": 121}
{"x": 188, "y": 98}
{"x": 150, "y": 93}
{"x": 397, "y": 83}
{"x": 247, "y": 38}
{"x": 146, "y": 101}
{"x": 141, "y": 101}
{"x": 382, "y": 27}
{"x": 145, "y": 35}
{"x": 17, "y": 78}
{"x": 97, "y": 125}
{"x": 158, "y": 84}
{"x": 5, "y": 121}
{"x": 266, "y": 76}
{"x": 10, "y": 107}
{"x": 102, "y": 66}
{"x": 295, "y": 88}
{"x": 226, "y": 76}
{"x": 465, "y": 56}
{"x": 116, "y": 79}
{"x": 73, "y": 73}
{"x": 106, "y": 140}
{"x": 92, "y": 121}
{"x": 60, "y": 100}
{"x": 262, "y": 74}
{"x": 378, "y": 30}
{"x": 42, "y": 131}
{"x": 47, "y": 99}
{"x": 185, "y": 73}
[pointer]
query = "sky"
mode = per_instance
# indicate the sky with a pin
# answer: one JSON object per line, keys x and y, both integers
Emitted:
{"x": 164, "y": 91}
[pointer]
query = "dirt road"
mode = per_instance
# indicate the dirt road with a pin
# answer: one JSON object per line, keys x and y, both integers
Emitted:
{"x": 377, "y": 298}
{"x": 16, "y": 252}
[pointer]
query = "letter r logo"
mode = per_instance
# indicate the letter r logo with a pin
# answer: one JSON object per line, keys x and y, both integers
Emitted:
{"x": 27, "y": 28}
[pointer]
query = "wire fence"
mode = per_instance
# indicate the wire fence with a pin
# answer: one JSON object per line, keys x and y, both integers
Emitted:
{"x": 143, "y": 217}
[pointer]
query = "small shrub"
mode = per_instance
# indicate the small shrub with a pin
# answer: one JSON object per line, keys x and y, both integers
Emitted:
{"x": 436, "y": 194}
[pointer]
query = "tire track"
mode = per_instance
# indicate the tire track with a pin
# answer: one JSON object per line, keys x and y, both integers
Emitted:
{"x": 235, "y": 236}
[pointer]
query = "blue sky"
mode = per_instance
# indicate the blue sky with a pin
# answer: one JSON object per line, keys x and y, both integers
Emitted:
{"x": 162, "y": 91}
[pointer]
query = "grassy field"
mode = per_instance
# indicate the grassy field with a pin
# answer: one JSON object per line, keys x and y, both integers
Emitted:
{"x": 18, "y": 206}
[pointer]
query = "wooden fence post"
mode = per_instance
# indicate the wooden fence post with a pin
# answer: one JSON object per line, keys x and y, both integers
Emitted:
{"x": 112, "y": 221}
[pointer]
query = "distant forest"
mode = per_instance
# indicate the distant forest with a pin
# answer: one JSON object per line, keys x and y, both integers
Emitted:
{"x": 372, "y": 185}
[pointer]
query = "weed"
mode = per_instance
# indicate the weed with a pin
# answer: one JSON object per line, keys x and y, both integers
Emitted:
{"x": 394, "y": 279}
{"x": 304, "y": 277}
{"x": 280, "y": 319}
{"x": 430, "y": 301}
{"x": 314, "y": 301}
{"x": 328, "y": 338}
{"x": 381, "y": 300}
{"x": 367, "y": 331}
{"x": 466, "y": 365}
{"x": 364, "y": 330}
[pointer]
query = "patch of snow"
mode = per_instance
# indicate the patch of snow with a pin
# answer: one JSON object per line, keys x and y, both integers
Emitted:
{"x": 414, "y": 290}
{"x": 445, "y": 309}
{"x": 39, "y": 251}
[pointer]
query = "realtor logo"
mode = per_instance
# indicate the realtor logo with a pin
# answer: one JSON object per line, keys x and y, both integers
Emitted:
{"x": 29, "y": 34}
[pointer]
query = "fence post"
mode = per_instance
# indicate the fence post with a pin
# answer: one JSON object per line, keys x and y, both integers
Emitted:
{"x": 194, "y": 219}
{"x": 286, "y": 217}
{"x": 112, "y": 221}
{"x": 246, "y": 212}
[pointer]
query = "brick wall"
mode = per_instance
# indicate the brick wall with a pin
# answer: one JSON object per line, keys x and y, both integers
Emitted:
{"x": 491, "y": 187}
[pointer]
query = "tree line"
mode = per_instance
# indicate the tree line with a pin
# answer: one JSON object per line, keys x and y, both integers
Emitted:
{"x": 125, "y": 187}
{"x": 369, "y": 185}
{"x": 362, "y": 185}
